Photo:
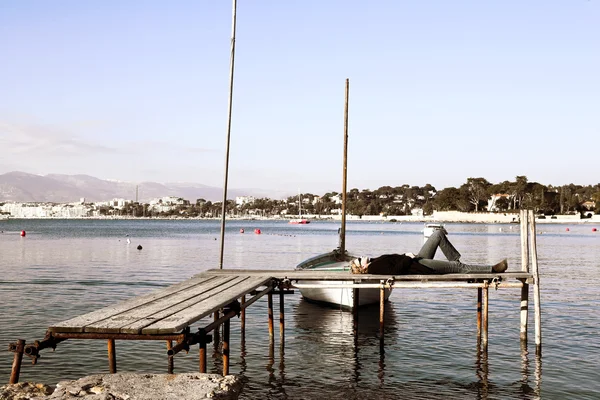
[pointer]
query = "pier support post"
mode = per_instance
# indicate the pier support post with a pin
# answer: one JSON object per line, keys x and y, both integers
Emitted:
{"x": 355, "y": 303}
{"x": 216, "y": 331}
{"x": 525, "y": 268}
{"x": 243, "y": 319}
{"x": 226, "y": 348}
{"x": 484, "y": 330}
{"x": 270, "y": 312}
{"x": 281, "y": 321}
{"x": 170, "y": 363}
{"x": 203, "y": 340}
{"x": 112, "y": 356}
{"x": 479, "y": 296}
{"x": 381, "y": 316}
{"x": 536, "y": 284}
{"x": 18, "y": 348}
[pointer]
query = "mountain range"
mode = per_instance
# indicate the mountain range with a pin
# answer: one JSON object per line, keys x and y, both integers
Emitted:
{"x": 24, "y": 187}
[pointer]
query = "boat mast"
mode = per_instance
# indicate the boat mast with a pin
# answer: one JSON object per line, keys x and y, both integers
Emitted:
{"x": 345, "y": 172}
{"x": 231, "y": 64}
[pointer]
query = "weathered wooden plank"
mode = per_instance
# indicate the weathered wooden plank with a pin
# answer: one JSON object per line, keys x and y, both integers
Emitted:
{"x": 341, "y": 275}
{"x": 77, "y": 324}
{"x": 192, "y": 314}
{"x": 136, "y": 326}
{"x": 165, "y": 305}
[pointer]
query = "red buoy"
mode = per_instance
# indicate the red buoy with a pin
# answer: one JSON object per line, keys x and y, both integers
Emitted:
{"x": 594, "y": 229}
{"x": 23, "y": 233}
{"x": 242, "y": 230}
{"x": 257, "y": 231}
{"x": 567, "y": 229}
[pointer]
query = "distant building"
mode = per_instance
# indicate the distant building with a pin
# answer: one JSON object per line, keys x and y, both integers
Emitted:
{"x": 241, "y": 200}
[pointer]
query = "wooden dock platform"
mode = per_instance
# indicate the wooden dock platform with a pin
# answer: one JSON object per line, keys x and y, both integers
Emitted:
{"x": 169, "y": 313}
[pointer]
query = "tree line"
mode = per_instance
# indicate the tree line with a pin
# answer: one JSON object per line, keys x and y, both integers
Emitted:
{"x": 475, "y": 195}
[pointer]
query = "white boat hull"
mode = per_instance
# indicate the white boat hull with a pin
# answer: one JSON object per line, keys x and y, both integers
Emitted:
{"x": 338, "y": 297}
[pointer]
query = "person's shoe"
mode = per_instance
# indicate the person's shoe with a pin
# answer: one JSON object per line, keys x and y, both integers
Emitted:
{"x": 501, "y": 266}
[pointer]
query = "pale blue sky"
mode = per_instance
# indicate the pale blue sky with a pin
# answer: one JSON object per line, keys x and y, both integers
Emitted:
{"x": 439, "y": 91}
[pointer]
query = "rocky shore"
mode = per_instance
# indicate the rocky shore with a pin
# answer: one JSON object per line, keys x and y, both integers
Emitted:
{"x": 129, "y": 386}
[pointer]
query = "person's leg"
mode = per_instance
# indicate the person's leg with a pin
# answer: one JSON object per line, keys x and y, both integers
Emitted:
{"x": 456, "y": 267}
{"x": 438, "y": 239}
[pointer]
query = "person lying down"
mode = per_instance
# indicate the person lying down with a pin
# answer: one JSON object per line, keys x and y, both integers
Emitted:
{"x": 423, "y": 263}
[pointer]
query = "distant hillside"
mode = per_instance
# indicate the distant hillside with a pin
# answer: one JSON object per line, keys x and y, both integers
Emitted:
{"x": 24, "y": 187}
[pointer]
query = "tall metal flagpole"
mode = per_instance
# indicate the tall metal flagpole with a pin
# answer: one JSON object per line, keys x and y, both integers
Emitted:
{"x": 344, "y": 180}
{"x": 231, "y": 65}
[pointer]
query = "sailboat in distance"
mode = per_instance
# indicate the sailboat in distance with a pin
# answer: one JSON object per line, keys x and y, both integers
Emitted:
{"x": 299, "y": 220}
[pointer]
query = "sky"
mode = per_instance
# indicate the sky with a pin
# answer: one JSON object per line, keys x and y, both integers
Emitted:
{"x": 440, "y": 91}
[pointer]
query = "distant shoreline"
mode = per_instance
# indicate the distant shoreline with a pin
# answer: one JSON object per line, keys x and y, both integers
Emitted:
{"x": 453, "y": 217}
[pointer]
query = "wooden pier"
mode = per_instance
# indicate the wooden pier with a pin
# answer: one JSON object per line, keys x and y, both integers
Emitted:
{"x": 168, "y": 314}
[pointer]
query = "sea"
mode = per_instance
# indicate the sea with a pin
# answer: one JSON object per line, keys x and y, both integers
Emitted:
{"x": 64, "y": 268}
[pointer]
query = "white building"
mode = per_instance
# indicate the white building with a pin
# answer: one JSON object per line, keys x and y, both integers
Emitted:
{"x": 241, "y": 200}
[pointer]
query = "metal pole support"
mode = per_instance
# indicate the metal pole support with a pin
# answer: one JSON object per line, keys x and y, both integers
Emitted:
{"x": 112, "y": 356}
{"x": 18, "y": 348}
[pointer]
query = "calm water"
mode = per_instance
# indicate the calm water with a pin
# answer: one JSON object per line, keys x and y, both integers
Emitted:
{"x": 64, "y": 268}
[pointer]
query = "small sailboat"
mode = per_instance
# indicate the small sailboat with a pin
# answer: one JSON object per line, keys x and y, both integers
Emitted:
{"x": 338, "y": 259}
{"x": 300, "y": 220}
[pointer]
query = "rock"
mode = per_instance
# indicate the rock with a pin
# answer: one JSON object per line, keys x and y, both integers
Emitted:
{"x": 25, "y": 391}
{"x": 126, "y": 386}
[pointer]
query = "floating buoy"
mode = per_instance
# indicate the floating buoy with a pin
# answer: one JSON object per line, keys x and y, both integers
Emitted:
{"x": 23, "y": 233}
{"x": 242, "y": 230}
{"x": 567, "y": 229}
{"x": 139, "y": 247}
{"x": 257, "y": 231}
{"x": 594, "y": 229}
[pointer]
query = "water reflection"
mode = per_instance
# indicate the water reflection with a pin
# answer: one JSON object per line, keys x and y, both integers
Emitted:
{"x": 331, "y": 332}
{"x": 526, "y": 389}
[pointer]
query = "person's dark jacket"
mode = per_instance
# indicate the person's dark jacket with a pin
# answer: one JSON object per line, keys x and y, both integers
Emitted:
{"x": 397, "y": 264}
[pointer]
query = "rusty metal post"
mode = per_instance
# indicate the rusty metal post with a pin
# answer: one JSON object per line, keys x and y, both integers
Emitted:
{"x": 381, "y": 316}
{"x": 243, "y": 318}
{"x": 216, "y": 333}
{"x": 226, "y": 348}
{"x": 112, "y": 356}
{"x": 202, "y": 353}
{"x": 18, "y": 348}
{"x": 484, "y": 338}
{"x": 270, "y": 311}
{"x": 479, "y": 295}
{"x": 170, "y": 365}
{"x": 281, "y": 320}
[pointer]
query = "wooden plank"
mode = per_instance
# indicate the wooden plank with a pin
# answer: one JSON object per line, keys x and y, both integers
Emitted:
{"x": 137, "y": 325}
{"x": 192, "y": 314}
{"x": 165, "y": 306}
{"x": 77, "y": 324}
{"x": 341, "y": 276}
